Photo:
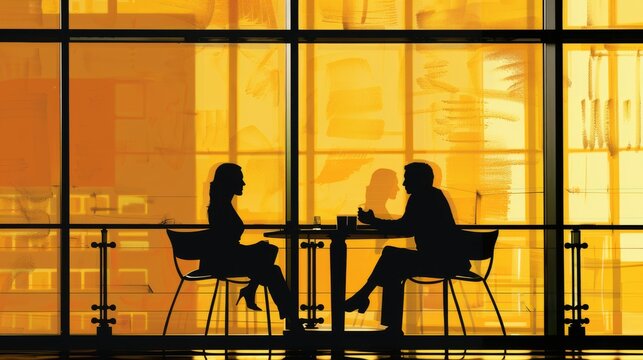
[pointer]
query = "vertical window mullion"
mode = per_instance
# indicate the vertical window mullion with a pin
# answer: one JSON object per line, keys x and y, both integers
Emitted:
{"x": 553, "y": 171}
{"x": 64, "y": 264}
{"x": 292, "y": 150}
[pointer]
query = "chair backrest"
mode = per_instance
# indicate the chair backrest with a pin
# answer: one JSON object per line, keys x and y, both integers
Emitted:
{"x": 189, "y": 245}
{"x": 479, "y": 245}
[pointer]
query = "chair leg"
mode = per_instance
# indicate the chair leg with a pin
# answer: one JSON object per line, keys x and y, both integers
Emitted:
{"x": 445, "y": 306}
{"x": 265, "y": 292}
{"x": 493, "y": 301}
{"x": 227, "y": 308}
{"x": 421, "y": 295}
{"x": 214, "y": 296}
{"x": 169, "y": 313}
{"x": 457, "y": 307}
{"x": 468, "y": 306}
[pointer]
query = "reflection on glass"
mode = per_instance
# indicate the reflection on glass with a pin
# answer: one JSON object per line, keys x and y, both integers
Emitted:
{"x": 477, "y": 115}
{"x": 30, "y": 14}
{"x": 29, "y": 289}
{"x": 150, "y": 122}
{"x": 472, "y": 110}
{"x": 598, "y": 14}
{"x": 603, "y": 134}
{"x": 177, "y": 14}
{"x": 30, "y": 136}
{"x": 420, "y": 14}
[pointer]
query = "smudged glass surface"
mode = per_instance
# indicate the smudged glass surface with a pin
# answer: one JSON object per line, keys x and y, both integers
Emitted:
{"x": 598, "y": 14}
{"x": 30, "y": 136}
{"x": 30, "y": 14}
{"x": 150, "y": 123}
{"x": 603, "y": 134}
{"x": 29, "y": 282}
{"x": 473, "y": 111}
{"x": 610, "y": 282}
{"x": 420, "y": 14}
{"x": 177, "y": 14}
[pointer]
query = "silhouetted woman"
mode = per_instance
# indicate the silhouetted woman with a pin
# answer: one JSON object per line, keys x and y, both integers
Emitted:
{"x": 228, "y": 256}
{"x": 383, "y": 187}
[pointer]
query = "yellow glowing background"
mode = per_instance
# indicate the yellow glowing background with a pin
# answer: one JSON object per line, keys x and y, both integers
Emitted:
{"x": 420, "y": 14}
{"x": 603, "y": 176}
{"x": 318, "y": 14}
{"x": 30, "y": 14}
{"x": 471, "y": 111}
{"x": 602, "y": 14}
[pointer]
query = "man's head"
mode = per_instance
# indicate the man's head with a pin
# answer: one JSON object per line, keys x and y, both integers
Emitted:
{"x": 417, "y": 176}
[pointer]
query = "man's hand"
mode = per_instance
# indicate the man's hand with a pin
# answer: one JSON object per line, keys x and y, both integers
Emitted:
{"x": 366, "y": 217}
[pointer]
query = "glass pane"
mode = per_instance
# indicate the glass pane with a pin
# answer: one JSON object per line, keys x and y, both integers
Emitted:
{"x": 30, "y": 14}
{"x": 420, "y": 14}
{"x": 611, "y": 281}
{"x": 150, "y": 123}
{"x": 30, "y": 136}
{"x": 516, "y": 282}
{"x": 474, "y": 112}
{"x": 603, "y": 134}
{"x": 29, "y": 276}
{"x": 596, "y": 14}
{"x": 177, "y": 14}
{"x": 143, "y": 280}
{"x": 84, "y": 280}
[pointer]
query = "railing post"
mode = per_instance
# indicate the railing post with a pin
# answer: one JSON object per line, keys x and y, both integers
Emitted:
{"x": 311, "y": 307}
{"x": 103, "y": 328}
{"x": 576, "y": 322}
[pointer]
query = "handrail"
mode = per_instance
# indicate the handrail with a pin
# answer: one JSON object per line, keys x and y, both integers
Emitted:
{"x": 282, "y": 226}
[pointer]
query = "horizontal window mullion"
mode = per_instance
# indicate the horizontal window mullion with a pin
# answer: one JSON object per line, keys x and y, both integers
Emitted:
{"x": 324, "y": 36}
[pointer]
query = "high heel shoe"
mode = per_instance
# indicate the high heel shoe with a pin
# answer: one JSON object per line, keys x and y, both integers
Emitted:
{"x": 359, "y": 303}
{"x": 248, "y": 295}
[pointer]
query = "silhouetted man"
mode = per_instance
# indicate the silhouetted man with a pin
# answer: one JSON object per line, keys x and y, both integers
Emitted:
{"x": 428, "y": 219}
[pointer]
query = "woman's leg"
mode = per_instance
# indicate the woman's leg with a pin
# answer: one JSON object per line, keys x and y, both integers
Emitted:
{"x": 273, "y": 278}
{"x": 263, "y": 255}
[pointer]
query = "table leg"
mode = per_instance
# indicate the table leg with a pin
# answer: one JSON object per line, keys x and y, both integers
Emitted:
{"x": 338, "y": 283}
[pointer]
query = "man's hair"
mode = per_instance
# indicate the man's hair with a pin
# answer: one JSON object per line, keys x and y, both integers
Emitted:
{"x": 420, "y": 169}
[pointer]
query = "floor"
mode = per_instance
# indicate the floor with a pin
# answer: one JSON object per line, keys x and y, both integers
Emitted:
{"x": 281, "y": 354}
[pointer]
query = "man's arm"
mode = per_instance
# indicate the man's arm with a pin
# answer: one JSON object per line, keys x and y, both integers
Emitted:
{"x": 398, "y": 226}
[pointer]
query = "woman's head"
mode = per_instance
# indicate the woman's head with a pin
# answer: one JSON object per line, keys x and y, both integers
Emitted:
{"x": 228, "y": 179}
{"x": 383, "y": 185}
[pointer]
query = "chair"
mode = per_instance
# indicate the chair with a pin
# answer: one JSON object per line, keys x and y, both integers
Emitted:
{"x": 478, "y": 246}
{"x": 190, "y": 246}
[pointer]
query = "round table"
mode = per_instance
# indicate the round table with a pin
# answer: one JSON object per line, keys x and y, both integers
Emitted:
{"x": 338, "y": 239}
